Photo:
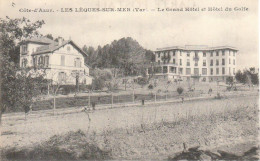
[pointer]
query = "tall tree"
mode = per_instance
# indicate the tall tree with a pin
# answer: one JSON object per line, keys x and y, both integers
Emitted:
{"x": 12, "y": 32}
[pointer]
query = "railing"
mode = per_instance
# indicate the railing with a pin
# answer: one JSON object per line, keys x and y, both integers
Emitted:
{"x": 196, "y": 58}
{"x": 24, "y": 52}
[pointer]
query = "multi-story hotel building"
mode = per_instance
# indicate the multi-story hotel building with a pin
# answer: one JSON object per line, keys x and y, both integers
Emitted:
{"x": 200, "y": 63}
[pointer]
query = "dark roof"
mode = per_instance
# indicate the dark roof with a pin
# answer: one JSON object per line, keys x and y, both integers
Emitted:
{"x": 55, "y": 46}
{"x": 196, "y": 47}
{"x": 41, "y": 40}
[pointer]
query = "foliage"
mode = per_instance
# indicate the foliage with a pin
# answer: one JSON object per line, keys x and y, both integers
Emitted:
{"x": 101, "y": 76}
{"x": 21, "y": 90}
{"x": 150, "y": 86}
{"x": 240, "y": 76}
{"x": 179, "y": 90}
{"x": 15, "y": 89}
{"x": 230, "y": 80}
{"x": 125, "y": 54}
{"x": 247, "y": 76}
{"x": 142, "y": 81}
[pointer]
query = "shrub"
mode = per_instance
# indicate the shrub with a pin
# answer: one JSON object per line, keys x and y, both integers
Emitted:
{"x": 150, "y": 86}
{"x": 142, "y": 81}
{"x": 179, "y": 90}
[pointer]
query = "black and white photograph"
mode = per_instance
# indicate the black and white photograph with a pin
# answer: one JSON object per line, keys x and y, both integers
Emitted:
{"x": 129, "y": 80}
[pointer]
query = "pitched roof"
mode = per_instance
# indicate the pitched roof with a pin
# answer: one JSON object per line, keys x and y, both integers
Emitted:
{"x": 55, "y": 46}
{"x": 42, "y": 40}
{"x": 196, "y": 47}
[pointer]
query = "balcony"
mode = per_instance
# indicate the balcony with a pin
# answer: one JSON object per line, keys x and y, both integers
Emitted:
{"x": 24, "y": 52}
{"x": 196, "y": 58}
{"x": 195, "y": 75}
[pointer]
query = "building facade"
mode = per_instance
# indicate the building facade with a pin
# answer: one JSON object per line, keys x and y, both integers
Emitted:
{"x": 200, "y": 63}
{"x": 62, "y": 62}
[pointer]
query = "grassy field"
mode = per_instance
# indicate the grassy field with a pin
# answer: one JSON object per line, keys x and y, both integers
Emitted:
{"x": 121, "y": 96}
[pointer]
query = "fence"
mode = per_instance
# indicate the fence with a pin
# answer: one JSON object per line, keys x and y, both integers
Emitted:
{"x": 109, "y": 99}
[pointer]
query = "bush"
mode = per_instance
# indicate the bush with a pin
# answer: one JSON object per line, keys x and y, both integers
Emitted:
{"x": 179, "y": 90}
{"x": 150, "y": 86}
{"x": 142, "y": 81}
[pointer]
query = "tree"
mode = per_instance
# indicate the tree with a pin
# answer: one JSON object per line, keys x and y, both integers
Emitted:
{"x": 12, "y": 32}
{"x": 247, "y": 76}
{"x": 49, "y": 36}
{"x": 240, "y": 77}
{"x": 179, "y": 90}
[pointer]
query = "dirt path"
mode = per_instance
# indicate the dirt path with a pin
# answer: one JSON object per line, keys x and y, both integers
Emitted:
{"x": 34, "y": 130}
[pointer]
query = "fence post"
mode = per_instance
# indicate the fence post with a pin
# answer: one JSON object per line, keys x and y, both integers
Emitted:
{"x": 88, "y": 99}
{"x": 54, "y": 104}
{"x": 155, "y": 96}
{"x": 112, "y": 101}
{"x": 133, "y": 96}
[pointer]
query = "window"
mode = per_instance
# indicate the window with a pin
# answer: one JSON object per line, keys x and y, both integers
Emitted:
{"x": 68, "y": 48}
{"x": 223, "y": 52}
{"x": 24, "y": 48}
{"x": 223, "y": 61}
{"x": 217, "y": 53}
{"x": 211, "y": 62}
{"x": 223, "y": 70}
{"x": 234, "y": 53}
{"x": 62, "y": 77}
{"x": 188, "y": 54}
{"x": 234, "y": 62}
{"x": 173, "y": 61}
{"x": 159, "y": 62}
{"x": 229, "y": 71}
{"x": 24, "y": 62}
{"x": 180, "y": 62}
{"x": 40, "y": 61}
{"x": 204, "y": 62}
{"x": 217, "y": 71}
{"x": 180, "y": 70}
{"x": 187, "y": 71}
{"x": 180, "y": 53}
{"x": 188, "y": 62}
{"x": 196, "y": 63}
{"x": 62, "y": 61}
{"x": 211, "y": 71}
{"x": 173, "y": 69}
{"x": 46, "y": 61}
{"x": 196, "y": 71}
{"x": 229, "y": 53}
{"x": 217, "y": 62}
{"x": 229, "y": 61}
{"x": 77, "y": 62}
{"x": 234, "y": 71}
{"x": 165, "y": 69}
{"x": 204, "y": 71}
{"x": 159, "y": 54}
{"x": 211, "y": 54}
{"x": 34, "y": 61}
{"x": 204, "y": 54}
{"x": 173, "y": 53}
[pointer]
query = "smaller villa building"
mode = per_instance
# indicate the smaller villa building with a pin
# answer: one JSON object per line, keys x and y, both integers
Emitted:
{"x": 62, "y": 61}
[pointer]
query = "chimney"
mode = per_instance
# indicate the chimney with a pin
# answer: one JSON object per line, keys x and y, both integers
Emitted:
{"x": 60, "y": 41}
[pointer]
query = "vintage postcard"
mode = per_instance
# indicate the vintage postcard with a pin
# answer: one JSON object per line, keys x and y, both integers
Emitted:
{"x": 129, "y": 80}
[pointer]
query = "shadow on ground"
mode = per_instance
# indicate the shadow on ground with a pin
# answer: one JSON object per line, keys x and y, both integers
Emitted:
{"x": 196, "y": 154}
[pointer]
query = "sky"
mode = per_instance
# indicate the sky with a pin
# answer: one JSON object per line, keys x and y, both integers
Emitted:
{"x": 152, "y": 29}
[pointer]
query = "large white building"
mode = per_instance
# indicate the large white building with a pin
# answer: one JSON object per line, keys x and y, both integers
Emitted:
{"x": 63, "y": 61}
{"x": 200, "y": 63}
